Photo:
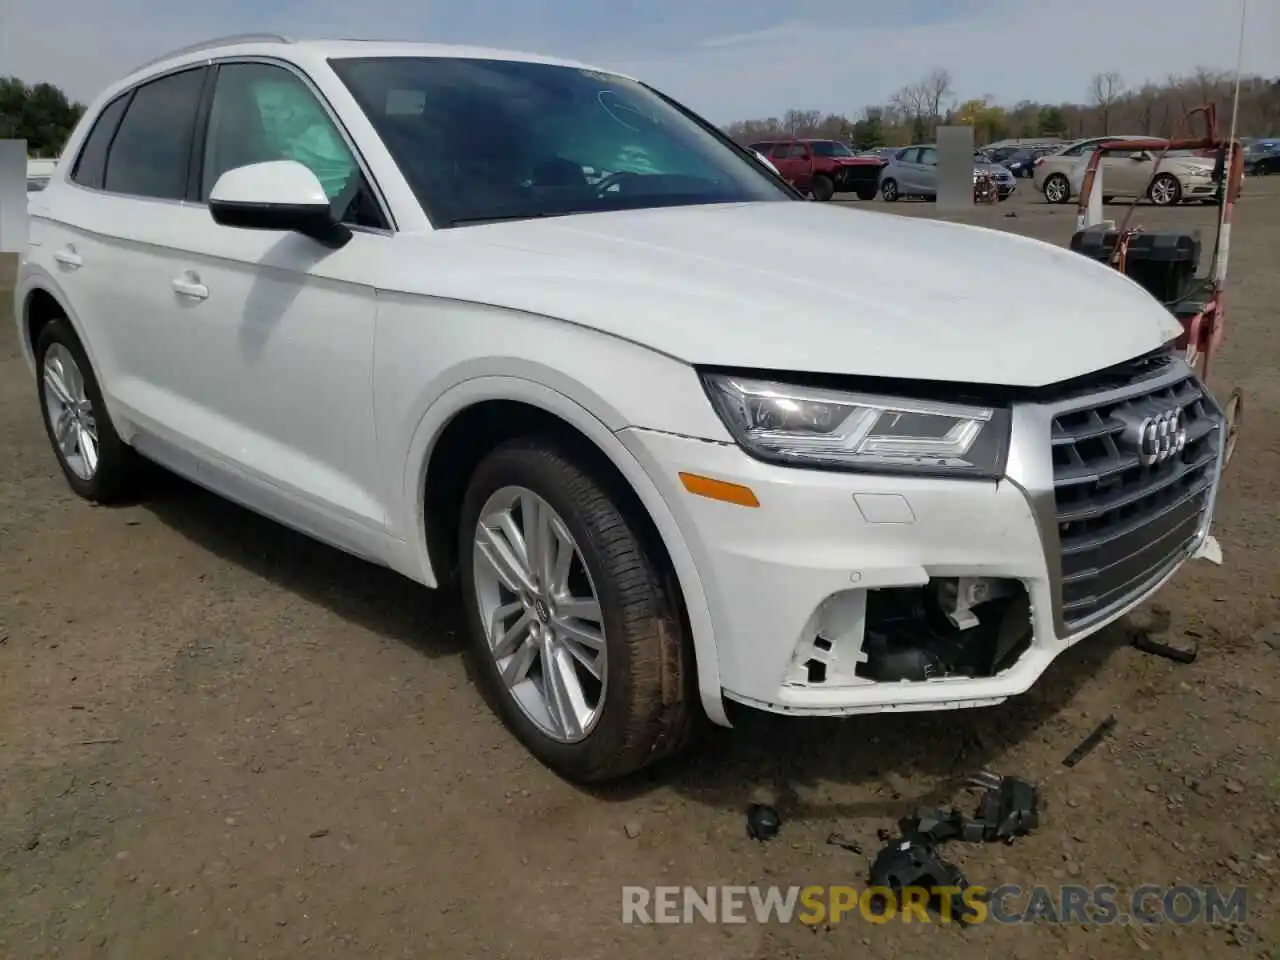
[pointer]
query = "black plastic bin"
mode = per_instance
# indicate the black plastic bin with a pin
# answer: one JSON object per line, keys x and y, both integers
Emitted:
{"x": 1164, "y": 264}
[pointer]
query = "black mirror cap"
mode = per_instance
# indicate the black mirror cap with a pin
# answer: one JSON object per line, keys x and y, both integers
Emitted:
{"x": 314, "y": 220}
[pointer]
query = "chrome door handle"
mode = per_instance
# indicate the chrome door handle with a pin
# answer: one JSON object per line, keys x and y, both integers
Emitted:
{"x": 69, "y": 258}
{"x": 189, "y": 285}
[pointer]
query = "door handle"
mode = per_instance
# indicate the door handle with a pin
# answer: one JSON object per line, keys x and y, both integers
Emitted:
{"x": 69, "y": 258}
{"x": 189, "y": 285}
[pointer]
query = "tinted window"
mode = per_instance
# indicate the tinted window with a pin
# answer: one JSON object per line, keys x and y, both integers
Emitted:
{"x": 928, "y": 155}
{"x": 262, "y": 113}
{"x": 782, "y": 150}
{"x": 829, "y": 148}
{"x": 152, "y": 149}
{"x": 495, "y": 139}
{"x": 761, "y": 148}
{"x": 906, "y": 156}
{"x": 92, "y": 161}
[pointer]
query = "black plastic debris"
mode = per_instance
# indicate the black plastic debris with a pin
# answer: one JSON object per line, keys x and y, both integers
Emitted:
{"x": 844, "y": 843}
{"x": 1149, "y": 644}
{"x": 763, "y": 822}
{"x": 914, "y": 863}
{"x": 1009, "y": 808}
{"x": 1090, "y": 743}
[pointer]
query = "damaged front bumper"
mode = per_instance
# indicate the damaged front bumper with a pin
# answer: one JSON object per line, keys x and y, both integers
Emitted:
{"x": 846, "y": 593}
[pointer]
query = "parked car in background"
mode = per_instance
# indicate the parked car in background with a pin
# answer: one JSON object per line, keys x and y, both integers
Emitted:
{"x": 1181, "y": 175}
{"x": 1262, "y": 158}
{"x": 1052, "y": 172}
{"x": 913, "y": 172}
{"x": 1022, "y": 163}
{"x": 677, "y": 437}
{"x": 822, "y": 167}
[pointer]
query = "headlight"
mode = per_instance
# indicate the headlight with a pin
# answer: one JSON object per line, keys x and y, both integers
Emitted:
{"x": 809, "y": 426}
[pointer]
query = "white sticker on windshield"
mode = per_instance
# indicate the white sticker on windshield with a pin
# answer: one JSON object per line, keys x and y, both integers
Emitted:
{"x": 406, "y": 103}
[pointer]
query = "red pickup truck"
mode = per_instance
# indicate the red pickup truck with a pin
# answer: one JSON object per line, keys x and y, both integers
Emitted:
{"x": 823, "y": 167}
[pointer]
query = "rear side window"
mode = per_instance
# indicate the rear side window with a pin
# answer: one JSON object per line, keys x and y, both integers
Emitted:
{"x": 92, "y": 162}
{"x": 152, "y": 149}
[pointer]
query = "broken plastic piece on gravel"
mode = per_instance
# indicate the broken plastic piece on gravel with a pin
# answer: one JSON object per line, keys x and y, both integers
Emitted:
{"x": 1090, "y": 743}
{"x": 1148, "y": 643}
{"x": 1210, "y": 550}
{"x": 913, "y": 862}
{"x": 844, "y": 843}
{"x": 763, "y": 822}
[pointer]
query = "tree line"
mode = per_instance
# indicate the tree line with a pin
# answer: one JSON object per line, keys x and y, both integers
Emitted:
{"x": 40, "y": 114}
{"x": 914, "y": 112}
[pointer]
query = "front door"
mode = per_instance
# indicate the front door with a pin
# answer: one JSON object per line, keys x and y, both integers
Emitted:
{"x": 278, "y": 330}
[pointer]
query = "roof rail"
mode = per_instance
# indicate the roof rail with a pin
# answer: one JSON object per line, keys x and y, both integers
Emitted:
{"x": 215, "y": 43}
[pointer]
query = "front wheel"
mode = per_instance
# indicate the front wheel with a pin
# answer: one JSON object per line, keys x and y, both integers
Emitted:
{"x": 889, "y": 190}
{"x": 1057, "y": 189}
{"x": 1165, "y": 190}
{"x": 823, "y": 189}
{"x": 577, "y": 632}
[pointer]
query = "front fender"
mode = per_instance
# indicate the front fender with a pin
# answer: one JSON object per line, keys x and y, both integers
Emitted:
{"x": 600, "y": 431}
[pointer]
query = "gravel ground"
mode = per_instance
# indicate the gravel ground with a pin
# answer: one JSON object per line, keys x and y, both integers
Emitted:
{"x": 218, "y": 739}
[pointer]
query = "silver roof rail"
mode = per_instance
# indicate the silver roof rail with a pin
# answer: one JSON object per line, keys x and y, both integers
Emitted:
{"x": 215, "y": 43}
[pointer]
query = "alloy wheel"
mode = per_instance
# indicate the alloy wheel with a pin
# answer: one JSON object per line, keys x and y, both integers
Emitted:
{"x": 70, "y": 412}
{"x": 541, "y": 614}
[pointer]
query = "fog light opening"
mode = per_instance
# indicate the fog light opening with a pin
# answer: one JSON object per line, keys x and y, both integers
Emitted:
{"x": 951, "y": 627}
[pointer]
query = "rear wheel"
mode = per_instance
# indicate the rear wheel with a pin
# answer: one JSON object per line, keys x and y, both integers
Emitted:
{"x": 578, "y": 633}
{"x": 1057, "y": 188}
{"x": 823, "y": 189}
{"x": 889, "y": 190}
{"x": 98, "y": 465}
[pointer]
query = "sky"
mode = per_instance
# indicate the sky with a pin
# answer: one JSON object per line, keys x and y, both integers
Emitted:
{"x": 727, "y": 59}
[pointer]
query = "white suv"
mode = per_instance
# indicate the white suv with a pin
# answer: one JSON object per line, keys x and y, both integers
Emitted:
{"x": 683, "y": 438}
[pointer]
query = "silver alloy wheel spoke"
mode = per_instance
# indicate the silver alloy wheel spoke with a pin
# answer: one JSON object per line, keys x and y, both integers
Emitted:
{"x": 70, "y": 413}
{"x": 542, "y": 616}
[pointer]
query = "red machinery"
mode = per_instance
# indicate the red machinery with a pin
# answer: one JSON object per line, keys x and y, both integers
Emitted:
{"x": 1201, "y": 311}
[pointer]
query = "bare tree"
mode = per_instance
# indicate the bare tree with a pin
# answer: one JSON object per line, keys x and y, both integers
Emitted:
{"x": 1104, "y": 90}
{"x": 936, "y": 88}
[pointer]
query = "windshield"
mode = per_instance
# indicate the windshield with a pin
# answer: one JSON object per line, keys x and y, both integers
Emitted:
{"x": 482, "y": 140}
{"x": 829, "y": 148}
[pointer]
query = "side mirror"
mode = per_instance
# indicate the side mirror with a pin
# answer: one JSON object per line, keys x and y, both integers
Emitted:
{"x": 277, "y": 195}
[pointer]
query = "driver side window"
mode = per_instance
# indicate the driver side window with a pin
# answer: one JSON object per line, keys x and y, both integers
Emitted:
{"x": 262, "y": 113}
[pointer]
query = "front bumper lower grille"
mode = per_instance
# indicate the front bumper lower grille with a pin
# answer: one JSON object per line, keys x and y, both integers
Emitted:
{"x": 1122, "y": 523}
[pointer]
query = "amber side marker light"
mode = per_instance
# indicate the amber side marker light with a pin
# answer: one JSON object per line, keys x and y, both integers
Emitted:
{"x": 719, "y": 490}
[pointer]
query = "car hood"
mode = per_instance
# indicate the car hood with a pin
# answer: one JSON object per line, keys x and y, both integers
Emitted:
{"x": 807, "y": 287}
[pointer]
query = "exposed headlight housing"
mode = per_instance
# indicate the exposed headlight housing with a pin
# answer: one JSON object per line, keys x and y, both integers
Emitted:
{"x": 838, "y": 430}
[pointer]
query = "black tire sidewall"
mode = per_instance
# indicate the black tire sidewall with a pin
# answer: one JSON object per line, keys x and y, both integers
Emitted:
{"x": 889, "y": 190}
{"x": 823, "y": 188}
{"x": 113, "y": 456}
{"x": 524, "y": 464}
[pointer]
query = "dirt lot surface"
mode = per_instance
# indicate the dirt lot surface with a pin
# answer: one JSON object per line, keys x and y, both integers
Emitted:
{"x": 218, "y": 739}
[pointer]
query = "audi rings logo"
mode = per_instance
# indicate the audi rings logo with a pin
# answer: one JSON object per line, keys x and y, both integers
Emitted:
{"x": 1157, "y": 437}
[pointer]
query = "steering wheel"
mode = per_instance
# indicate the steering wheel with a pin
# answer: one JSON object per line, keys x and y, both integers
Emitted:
{"x": 612, "y": 180}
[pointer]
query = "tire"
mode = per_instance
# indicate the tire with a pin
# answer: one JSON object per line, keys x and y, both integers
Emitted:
{"x": 866, "y": 192}
{"x": 1165, "y": 190}
{"x": 889, "y": 190}
{"x": 1057, "y": 188}
{"x": 65, "y": 374}
{"x": 647, "y": 703}
{"x": 823, "y": 188}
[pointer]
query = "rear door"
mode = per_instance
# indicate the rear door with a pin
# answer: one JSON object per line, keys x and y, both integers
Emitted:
{"x": 926, "y": 171}
{"x": 121, "y": 208}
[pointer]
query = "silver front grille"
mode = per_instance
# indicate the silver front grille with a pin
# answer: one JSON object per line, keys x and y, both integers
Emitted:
{"x": 1126, "y": 516}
